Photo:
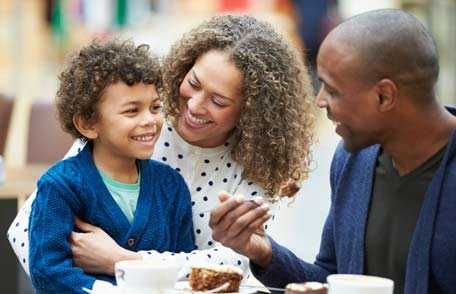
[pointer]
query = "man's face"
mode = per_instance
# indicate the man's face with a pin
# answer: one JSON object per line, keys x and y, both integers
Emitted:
{"x": 350, "y": 102}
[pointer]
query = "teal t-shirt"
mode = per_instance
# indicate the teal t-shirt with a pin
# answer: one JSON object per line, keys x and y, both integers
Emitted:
{"x": 125, "y": 195}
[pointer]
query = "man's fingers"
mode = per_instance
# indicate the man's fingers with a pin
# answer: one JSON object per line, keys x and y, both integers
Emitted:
{"x": 83, "y": 226}
{"x": 223, "y": 196}
{"x": 245, "y": 219}
{"x": 218, "y": 213}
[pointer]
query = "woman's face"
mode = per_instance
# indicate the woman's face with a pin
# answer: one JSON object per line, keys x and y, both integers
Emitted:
{"x": 210, "y": 100}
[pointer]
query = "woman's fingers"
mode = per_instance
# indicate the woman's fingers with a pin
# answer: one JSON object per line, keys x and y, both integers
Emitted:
{"x": 83, "y": 226}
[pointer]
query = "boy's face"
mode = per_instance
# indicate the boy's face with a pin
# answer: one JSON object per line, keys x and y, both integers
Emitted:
{"x": 129, "y": 121}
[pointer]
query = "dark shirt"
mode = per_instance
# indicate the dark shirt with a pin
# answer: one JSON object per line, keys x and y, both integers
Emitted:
{"x": 394, "y": 210}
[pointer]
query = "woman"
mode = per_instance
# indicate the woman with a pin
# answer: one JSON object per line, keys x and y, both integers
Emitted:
{"x": 238, "y": 108}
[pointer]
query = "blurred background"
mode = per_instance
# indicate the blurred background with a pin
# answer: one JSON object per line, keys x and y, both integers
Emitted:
{"x": 35, "y": 36}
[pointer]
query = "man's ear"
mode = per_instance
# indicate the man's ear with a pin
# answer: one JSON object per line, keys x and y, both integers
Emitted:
{"x": 386, "y": 95}
{"x": 86, "y": 128}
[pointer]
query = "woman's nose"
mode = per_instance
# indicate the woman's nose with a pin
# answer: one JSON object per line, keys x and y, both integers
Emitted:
{"x": 196, "y": 103}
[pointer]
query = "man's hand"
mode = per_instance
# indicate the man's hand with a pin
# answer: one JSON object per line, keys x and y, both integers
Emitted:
{"x": 238, "y": 224}
{"x": 95, "y": 251}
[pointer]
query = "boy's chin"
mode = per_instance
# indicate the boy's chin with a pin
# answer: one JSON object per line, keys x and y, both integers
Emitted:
{"x": 144, "y": 155}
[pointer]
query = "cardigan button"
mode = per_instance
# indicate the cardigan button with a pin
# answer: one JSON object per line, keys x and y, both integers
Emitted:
{"x": 131, "y": 242}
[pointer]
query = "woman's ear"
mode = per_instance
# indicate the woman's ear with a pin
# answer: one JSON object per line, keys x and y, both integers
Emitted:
{"x": 387, "y": 95}
{"x": 86, "y": 128}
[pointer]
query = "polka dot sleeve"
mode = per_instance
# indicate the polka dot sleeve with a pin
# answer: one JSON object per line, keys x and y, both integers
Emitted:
{"x": 18, "y": 231}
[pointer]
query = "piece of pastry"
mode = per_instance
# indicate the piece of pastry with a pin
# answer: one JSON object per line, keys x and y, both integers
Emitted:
{"x": 208, "y": 277}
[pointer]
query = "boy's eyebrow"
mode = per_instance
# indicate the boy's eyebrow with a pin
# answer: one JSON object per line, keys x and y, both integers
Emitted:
{"x": 134, "y": 102}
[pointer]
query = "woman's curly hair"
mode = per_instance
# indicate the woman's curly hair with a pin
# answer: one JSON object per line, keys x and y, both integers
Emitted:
{"x": 276, "y": 123}
{"x": 96, "y": 66}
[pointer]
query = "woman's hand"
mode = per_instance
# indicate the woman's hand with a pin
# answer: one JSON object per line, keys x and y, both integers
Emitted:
{"x": 95, "y": 251}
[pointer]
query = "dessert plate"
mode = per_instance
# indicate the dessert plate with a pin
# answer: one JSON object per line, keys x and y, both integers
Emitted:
{"x": 184, "y": 287}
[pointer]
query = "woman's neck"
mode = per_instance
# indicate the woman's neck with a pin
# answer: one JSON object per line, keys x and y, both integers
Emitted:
{"x": 122, "y": 169}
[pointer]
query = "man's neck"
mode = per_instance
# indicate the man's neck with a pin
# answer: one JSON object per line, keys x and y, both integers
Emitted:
{"x": 414, "y": 142}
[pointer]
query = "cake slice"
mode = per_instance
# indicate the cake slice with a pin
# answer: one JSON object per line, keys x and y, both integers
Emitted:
{"x": 208, "y": 277}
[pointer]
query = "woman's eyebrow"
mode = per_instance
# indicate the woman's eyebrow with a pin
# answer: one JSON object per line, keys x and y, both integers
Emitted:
{"x": 217, "y": 94}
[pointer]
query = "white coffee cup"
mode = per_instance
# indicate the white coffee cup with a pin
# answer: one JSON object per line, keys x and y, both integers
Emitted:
{"x": 145, "y": 277}
{"x": 359, "y": 284}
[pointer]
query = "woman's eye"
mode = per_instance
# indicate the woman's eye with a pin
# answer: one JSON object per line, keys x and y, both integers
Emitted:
{"x": 193, "y": 84}
{"x": 218, "y": 102}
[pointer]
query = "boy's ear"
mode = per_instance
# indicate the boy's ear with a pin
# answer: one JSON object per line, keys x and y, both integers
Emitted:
{"x": 87, "y": 129}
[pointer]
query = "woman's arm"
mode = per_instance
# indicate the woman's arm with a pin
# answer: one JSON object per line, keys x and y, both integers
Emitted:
{"x": 51, "y": 222}
{"x": 18, "y": 230}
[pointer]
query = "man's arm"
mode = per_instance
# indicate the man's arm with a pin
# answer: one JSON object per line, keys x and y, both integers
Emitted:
{"x": 236, "y": 224}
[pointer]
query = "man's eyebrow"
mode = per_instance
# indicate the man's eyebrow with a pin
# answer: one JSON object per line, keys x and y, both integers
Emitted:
{"x": 327, "y": 85}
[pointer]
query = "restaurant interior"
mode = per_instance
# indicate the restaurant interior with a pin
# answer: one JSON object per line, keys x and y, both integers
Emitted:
{"x": 36, "y": 36}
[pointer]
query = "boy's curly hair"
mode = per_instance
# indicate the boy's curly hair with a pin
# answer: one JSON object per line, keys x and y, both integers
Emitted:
{"x": 96, "y": 66}
{"x": 276, "y": 122}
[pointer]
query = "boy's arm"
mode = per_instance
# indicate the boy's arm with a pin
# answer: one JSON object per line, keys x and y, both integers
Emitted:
{"x": 51, "y": 222}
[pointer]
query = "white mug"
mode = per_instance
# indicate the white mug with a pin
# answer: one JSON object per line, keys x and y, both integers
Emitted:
{"x": 359, "y": 284}
{"x": 145, "y": 277}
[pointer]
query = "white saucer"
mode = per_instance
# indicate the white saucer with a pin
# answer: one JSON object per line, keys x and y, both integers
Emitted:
{"x": 184, "y": 286}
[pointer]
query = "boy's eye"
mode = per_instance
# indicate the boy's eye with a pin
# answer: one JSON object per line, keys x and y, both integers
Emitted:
{"x": 131, "y": 110}
{"x": 156, "y": 108}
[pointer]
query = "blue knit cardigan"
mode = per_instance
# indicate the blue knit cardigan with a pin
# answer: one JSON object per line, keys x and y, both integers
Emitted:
{"x": 73, "y": 187}
{"x": 431, "y": 263}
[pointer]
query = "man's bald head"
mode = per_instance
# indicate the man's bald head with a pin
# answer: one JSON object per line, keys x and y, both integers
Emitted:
{"x": 393, "y": 44}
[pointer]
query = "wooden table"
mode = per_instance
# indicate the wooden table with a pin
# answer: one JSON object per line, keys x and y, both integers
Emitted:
{"x": 20, "y": 182}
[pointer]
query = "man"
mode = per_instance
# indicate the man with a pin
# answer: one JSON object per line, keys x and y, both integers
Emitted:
{"x": 393, "y": 178}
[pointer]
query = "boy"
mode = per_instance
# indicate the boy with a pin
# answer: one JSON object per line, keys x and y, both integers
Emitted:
{"x": 108, "y": 96}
